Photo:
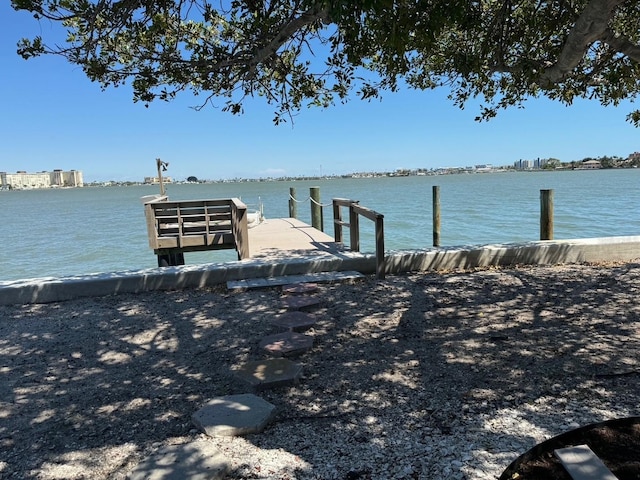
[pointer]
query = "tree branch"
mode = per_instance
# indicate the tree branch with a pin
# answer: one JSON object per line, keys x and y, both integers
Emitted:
{"x": 590, "y": 26}
{"x": 305, "y": 19}
{"x": 622, "y": 45}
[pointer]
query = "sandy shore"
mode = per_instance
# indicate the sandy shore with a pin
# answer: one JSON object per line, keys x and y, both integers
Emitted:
{"x": 418, "y": 376}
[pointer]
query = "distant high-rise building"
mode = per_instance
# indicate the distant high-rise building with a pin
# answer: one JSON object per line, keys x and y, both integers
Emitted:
{"x": 539, "y": 163}
{"x": 22, "y": 180}
{"x": 72, "y": 178}
{"x": 156, "y": 180}
{"x": 523, "y": 165}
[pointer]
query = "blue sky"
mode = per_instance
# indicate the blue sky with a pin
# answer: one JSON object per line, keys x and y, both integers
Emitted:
{"x": 54, "y": 117}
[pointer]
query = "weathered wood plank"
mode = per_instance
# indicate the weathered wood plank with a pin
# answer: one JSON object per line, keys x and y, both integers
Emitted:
{"x": 293, "y": 279}
{"x": 190, "y": 242}
{"x": 582, "y": 464}
{"x": 194, "y": 203}
{"x": 186, "y": 241}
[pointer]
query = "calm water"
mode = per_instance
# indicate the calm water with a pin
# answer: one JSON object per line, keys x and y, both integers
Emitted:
{"x": 76, "y": 231}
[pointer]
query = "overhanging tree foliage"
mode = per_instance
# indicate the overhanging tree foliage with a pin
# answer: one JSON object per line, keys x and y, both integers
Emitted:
{"x": 305, "y": 52}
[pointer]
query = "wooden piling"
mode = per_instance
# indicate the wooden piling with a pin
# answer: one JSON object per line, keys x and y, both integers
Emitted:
{"x": 354, "y": 230}
{"x": 436, "y": 215}
{"x": 316, "y": 208}
{"x": 337, "y": 222}
{"x": 546, "y": 214}
{"x": 293, "y": 205}
{"x": 380, "y": 260}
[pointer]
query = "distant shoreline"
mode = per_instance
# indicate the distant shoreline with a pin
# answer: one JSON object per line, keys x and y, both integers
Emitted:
{"x": 350, "y": 176}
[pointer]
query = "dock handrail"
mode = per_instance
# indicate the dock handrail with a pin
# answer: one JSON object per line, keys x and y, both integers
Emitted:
{"x": 355, "y": 210}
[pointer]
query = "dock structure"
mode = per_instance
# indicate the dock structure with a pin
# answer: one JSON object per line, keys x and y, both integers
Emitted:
{"x": 281, "y": 237}
{"x": 196, "y": 225}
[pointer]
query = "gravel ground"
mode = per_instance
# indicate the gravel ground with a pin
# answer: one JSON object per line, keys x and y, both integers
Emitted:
{"x": 420, "y": 376}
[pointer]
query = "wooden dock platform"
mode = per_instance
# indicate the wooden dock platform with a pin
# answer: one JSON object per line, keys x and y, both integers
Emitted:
{"x": 198, "y": 225}
{"x": 278, "y": 237}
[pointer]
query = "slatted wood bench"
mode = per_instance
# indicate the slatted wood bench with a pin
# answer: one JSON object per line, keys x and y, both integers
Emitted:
{"x": 195, "y": 225}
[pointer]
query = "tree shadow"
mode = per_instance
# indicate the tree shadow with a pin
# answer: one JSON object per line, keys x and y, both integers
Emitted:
{"x": 84, "y": 379}
{"x": 418, "y": 376}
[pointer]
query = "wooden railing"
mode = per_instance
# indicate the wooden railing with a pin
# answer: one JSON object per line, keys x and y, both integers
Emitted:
{"x": 196, "y": 225}
{"x": 355, "y": 211}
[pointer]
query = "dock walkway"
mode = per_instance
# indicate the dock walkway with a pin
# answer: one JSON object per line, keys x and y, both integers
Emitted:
{"x": 280, "y": 237}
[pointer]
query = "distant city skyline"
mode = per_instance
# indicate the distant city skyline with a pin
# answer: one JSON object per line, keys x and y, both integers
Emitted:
{"x": 522, "y": 164}
{"x": 74, "y": 178}
{"x": 53, "y": 115}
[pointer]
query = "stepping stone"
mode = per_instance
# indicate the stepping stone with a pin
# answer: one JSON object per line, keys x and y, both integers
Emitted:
{"x": 297, "y": 303}
{"x": 196, "y": 461}
{"x": 288, "y": 343}
{"x": 270, "y": 373}
{"x": 233, "y": 415}
{"x": 295, "y": 321}
{"x": 299, "y": 288}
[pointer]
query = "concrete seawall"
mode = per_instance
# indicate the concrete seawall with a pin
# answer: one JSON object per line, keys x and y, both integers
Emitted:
{"x": 590, "y": 250}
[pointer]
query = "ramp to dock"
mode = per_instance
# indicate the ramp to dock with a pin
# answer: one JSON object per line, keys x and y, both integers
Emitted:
{"x": 279, "y": 237}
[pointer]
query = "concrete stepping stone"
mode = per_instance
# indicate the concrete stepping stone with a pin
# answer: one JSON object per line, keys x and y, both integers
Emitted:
{"x": 233, "y": 415}
{"x": 300, "y": 288}
{"x": 196, "y": 461}
{"x": 286, "y": 344}
{"x": 298, "y": 303}
{"x": 269, "y": 373}
{"x": 295, "y": 321}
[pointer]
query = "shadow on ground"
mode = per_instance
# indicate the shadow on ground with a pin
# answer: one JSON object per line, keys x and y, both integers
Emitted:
{"x": 417, "y": 376}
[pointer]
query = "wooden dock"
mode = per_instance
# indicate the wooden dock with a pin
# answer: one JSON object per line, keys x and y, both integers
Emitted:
{"x": 279, "y": 237}
{"x": 197, "y": 225}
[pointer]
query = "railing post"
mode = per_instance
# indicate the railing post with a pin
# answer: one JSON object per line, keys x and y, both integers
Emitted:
{"x": 436, "y": 215}
{"x": 380, "y": 262}
{"x": 240, "y": 228}
{"x": 337, "y": 222}
{"x": 354, "y": 229}
{"x": 546, "y": 214}
{"x": 316, "y": 209}
{"x": 293, "y": 205}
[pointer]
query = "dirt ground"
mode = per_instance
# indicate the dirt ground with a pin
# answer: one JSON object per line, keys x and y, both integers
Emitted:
{"x": 89, "y": 387}
{"x": 614, "y": 442}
